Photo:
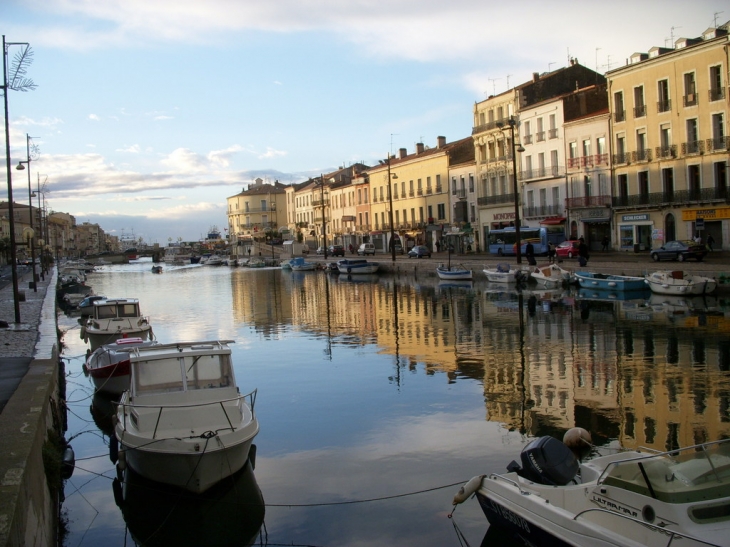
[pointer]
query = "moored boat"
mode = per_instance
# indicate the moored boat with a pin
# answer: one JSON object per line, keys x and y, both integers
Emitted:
{"x": 456, "y": 272}
{"x": 591, "y": 280}
{"x": 183, "y": 421}
{"x": 357, "y": 266}
{"x": 679, "y": 283}
{"x": 303, "y": 266}
{"x": 157, "y": 269}
{"x": 115, "y": 318}
{"x": 108, "y": 365}
{"x": 551, "y": 276}
{"x": 624, "y": 499}
{"x": 504, "y": 273}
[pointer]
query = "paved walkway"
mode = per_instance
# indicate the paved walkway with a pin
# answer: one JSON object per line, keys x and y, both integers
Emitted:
{"x": 32, "y": 338}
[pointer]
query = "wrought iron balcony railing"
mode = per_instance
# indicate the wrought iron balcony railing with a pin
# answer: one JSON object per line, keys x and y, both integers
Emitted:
{"x": 675, "y": 197}
{"x": 588, "y": 201}
{"x": 542, "y": 211}
{"x": 496, "y": 200}
{"x": 717, "y": 94}
{"x": 664, "y": 106}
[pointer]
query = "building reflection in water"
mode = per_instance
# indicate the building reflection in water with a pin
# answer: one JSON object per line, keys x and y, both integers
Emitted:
{"x": 654, "y": 372}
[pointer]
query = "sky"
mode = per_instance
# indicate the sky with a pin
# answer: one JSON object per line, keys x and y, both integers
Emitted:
{"x": 148, "y": 114}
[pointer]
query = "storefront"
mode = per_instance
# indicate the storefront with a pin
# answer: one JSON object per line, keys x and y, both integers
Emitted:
{"x": 636, "y": 232}
{"x": 708, "y": 222}
{"x": 596, "y": 226}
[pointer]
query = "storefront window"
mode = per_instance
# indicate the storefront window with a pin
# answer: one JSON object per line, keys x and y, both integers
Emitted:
{"x": 626, "y": 234}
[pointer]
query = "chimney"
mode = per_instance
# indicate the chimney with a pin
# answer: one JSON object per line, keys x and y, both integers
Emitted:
{"x": 419, "y": 148}
{"x": 441, "y": 142}
{"x": 535, "y": 76}
{"x": 403, "y": 153}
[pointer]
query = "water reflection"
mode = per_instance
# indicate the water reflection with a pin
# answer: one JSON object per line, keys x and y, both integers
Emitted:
{"x": 385, "y": 385}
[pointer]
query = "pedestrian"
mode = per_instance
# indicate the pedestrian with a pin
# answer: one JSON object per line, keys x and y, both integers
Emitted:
{"x": 698, "y": 239}
{"x": 551, "y": 253}
{"x": 582, "y": 253}
{"x": 530, "y": 254}
{"x": 352, "y": 249}
{"x": 605, "y": 243}
{"x": 438, "y": 246}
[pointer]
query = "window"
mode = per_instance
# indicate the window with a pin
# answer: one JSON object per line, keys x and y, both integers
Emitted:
{"x": 530, "y": 199}
{"x": 553, "y": 132}
{"x": 527, "y": 139}
{"x": 493, "y": 181}
{"x": 471, "y": 183}
{"x": 621, "y": 149}
{"x": 643, "y": 187}
{"x": 586, "y": 148}
{"x": 690, "y": 89}
{"x": 618, "y": 107}
{"x": 665, "y": 140}
{"x": 663, "y": 102}
{"x": 692, "y": 137}
{"x": 556, "y": 195}
{"x": 453, "y": 186}
{"x": 668, "y": 183}
{"x": 601, "y": 148}
{"x": 541, "y": 163}
{"x": 639, "y": 106}
{"x": 693, "y": 182}
{"x": 442, "y": 211}
{"x": 641, "y": 145}
{"x": 503, "y": 184}
{"x": 717, "y": 91}
{"x": 554, "y": 163}
{"x": 718, "y": 132}
{"x": 540, "y": 133}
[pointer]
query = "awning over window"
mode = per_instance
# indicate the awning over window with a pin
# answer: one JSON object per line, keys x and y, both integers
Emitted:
{"x": 552, "y": 221}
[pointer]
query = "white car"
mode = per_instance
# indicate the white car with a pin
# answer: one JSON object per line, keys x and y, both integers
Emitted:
{"x": 366, "y": 249}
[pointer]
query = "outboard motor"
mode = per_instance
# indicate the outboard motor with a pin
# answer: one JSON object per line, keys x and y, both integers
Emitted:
{"x": 546, "y": 460}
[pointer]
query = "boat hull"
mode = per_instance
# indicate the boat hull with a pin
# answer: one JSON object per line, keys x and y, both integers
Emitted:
{"x": 355, "y": 267}
{"x": 680, "y": 284}
{"x": 454, "y": 274}
{"x": 589, "y": 280}
{"x": 99, "y": 337}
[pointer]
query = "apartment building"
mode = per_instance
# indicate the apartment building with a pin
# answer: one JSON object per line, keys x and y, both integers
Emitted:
{"x": 498, "y": 134}
{"x": 257, "y": 212}
{"x": 669, "y": 138}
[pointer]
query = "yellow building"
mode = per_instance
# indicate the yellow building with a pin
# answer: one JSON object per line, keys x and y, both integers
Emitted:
{"x": 669, "y": 110}
{"x": 257, "y": 213}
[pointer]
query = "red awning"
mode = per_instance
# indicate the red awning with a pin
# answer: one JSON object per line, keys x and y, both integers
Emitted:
{"x": 553, "y": 220}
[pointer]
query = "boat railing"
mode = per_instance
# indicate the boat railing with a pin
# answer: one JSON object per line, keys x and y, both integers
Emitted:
{"x": 250, "y": 397}
{"x": 497, "y": 476}
{"x": 671, "y": 533}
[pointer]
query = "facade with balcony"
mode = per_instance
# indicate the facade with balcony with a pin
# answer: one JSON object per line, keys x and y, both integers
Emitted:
{"x": 257, "y": 213}
{"x": 669, "y": 133}
{"x": 464, "y": 207}
{"x": 537, "y": 113}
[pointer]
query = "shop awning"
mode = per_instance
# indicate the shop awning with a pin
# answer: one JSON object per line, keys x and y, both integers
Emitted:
{"x": 552, "y": 221}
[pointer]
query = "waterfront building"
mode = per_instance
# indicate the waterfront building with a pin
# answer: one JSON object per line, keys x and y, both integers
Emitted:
{"x": 258, "y": 213}
{"x": 494, "y": 147}
{"x": 669, "y": 115}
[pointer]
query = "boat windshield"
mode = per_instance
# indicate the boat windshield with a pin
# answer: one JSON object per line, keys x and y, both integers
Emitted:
{"x": 697, "y": 473}
{"x": 184, "y": 373}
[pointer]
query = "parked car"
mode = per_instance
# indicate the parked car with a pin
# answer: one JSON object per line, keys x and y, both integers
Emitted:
{"x": 366, "y": 249}
{"x": 398, "y": 248}
{"x": 679, "y": 250}
{"x": 419, "y": 251}
{"x": 320, "y": 250}
{"x": 567, "y": 249}
{"x": 337, "y": 250}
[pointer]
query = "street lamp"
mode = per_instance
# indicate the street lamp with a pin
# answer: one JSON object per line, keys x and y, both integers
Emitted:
{"x": 324, "y": 219}
{"x": 21, "y": 167}
{"x": 390, "y": 211}
{"x": 515, "y": 148}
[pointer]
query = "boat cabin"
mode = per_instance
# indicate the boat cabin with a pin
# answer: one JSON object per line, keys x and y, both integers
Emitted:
{"x": 116, "y": 308}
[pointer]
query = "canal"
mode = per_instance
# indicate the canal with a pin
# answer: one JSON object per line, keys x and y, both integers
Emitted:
{"x": 378, "y": 397}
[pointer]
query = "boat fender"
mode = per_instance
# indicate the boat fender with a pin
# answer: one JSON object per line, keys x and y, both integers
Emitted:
{"x": 579, "y": 441}
{"x": 122, "y": 462}
{"x": 69, "y": 462}
{"x": 468, "y": 489}
{"x": 113, "y": 449}
{"x": 118, "y": 492}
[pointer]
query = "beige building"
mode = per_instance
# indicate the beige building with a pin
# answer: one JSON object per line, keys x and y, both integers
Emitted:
{"x": 258, "y": 212}
{"x": 669, "y": 137}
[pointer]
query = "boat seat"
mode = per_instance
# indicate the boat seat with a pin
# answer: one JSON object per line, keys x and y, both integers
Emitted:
{"x": 677, "y": 274}
{"x": 502, "y": 267}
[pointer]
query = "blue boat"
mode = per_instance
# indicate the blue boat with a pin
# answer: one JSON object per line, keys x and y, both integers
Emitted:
{"x": 608, "y": 282}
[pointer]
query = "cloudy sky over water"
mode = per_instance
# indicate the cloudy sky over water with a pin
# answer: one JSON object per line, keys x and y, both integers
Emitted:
{"x": 148, "y": 114}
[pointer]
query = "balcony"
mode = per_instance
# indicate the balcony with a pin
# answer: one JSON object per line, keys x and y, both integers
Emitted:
{"x": 542, "y": 173}
{"x": 588, "y": 201}
{"x": 487, "y": 126}
{"x": 411, "y": 193}
{"x": 542, "y": 211}
{"x": 621, "y": 158}
{"x": 527, "y": 139}
{"x": 676, "y": 197}
{"x": 692, "y": 148}
{"x": 540, "y": 136}
{"x": 664, "y": 106}
{"x": 717, "y": 94}
{"x": 640, "y": 111}
{"x": 718, "y": 144}
{"x": 552, "y": 133}
{"x": 419, "y": 192}
{"x": 666, "y": 152}
{"x": 438, "y": 188}
{"x": 641, "y": 155}
{"x": 460, "y": 194}
{"x": 429, "y": 191}
{"x": 690, "y": 99}
{"x": 573, "y": 163}
{"x": 496, "y": 200}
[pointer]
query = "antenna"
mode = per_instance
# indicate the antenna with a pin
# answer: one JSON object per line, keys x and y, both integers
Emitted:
{"x": 714, "y": 17}
{"x": 494, "y": 85}
{"x": 671, "y": 36}
{"x": 391, "y": 142}
{"x": 549, "y": 65}
{"x": 508, "y": 75}
{"x": 597, "y": 50}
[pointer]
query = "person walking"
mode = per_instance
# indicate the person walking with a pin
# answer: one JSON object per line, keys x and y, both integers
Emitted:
{"x": 604, "y": 244}
{"x": 582, "y": 253}
{"x": 352, "y": 249}
{"x": 710, "y": 242}
{"x": 530, "y": 254}
{"x": 551, "y": 253}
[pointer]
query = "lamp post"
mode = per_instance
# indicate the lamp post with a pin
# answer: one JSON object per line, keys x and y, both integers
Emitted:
{"x": 390, "y": 211}
{"x": 44, "y": 233}
{"x": 511, "y": 122}
{"x": 324, "y": 220}
{"x": 21, "y": 167}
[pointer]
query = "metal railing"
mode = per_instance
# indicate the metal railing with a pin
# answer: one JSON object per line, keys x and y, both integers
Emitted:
{"x": 719, "y": 193}
{"x": 588, "y": 201}
{"x": 496, "y": 200}
{"x": 542, "y": 211}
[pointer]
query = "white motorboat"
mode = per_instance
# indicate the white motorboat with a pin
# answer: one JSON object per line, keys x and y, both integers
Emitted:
{"x": 678, "y": 282}
{"x": 626, "y": 499}
{"x": 115, "y": 318}
{"x": 214, "y": 260}
{"x": 356, "y": 266}
{"x": 504, "y": 273}
{"x": 456, "y": 272}
{"x": 108, "y": 365}
{"x": 303, "y": 266}
{"x": 551, "y": 276}
{"x": 183, "y": 421}
{"x": 231, "y": 261}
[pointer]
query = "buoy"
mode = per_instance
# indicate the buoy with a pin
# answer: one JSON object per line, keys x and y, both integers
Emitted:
{"x": 113, "y": 449}
{"x": 578, "y": 440}
{"x": 468, "y": 489}
{"x": 69, "y": 462}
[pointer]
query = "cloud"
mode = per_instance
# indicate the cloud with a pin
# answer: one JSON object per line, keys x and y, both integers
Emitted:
{"x": 134, "y": 149}
{"x": 94, "y": 118}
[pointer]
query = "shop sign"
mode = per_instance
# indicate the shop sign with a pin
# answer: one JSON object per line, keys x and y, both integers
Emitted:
{"x": 595, "y": 214}
{"x": 706, "y": 214}
{"x": 503, "y": 216}
{"x": 634, "y": 218}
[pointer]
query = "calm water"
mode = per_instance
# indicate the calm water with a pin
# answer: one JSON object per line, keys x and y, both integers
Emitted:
{"x": 383, "y": 391}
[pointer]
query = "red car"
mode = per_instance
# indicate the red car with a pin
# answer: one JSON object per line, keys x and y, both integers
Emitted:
{"x": 567, "y": 249}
